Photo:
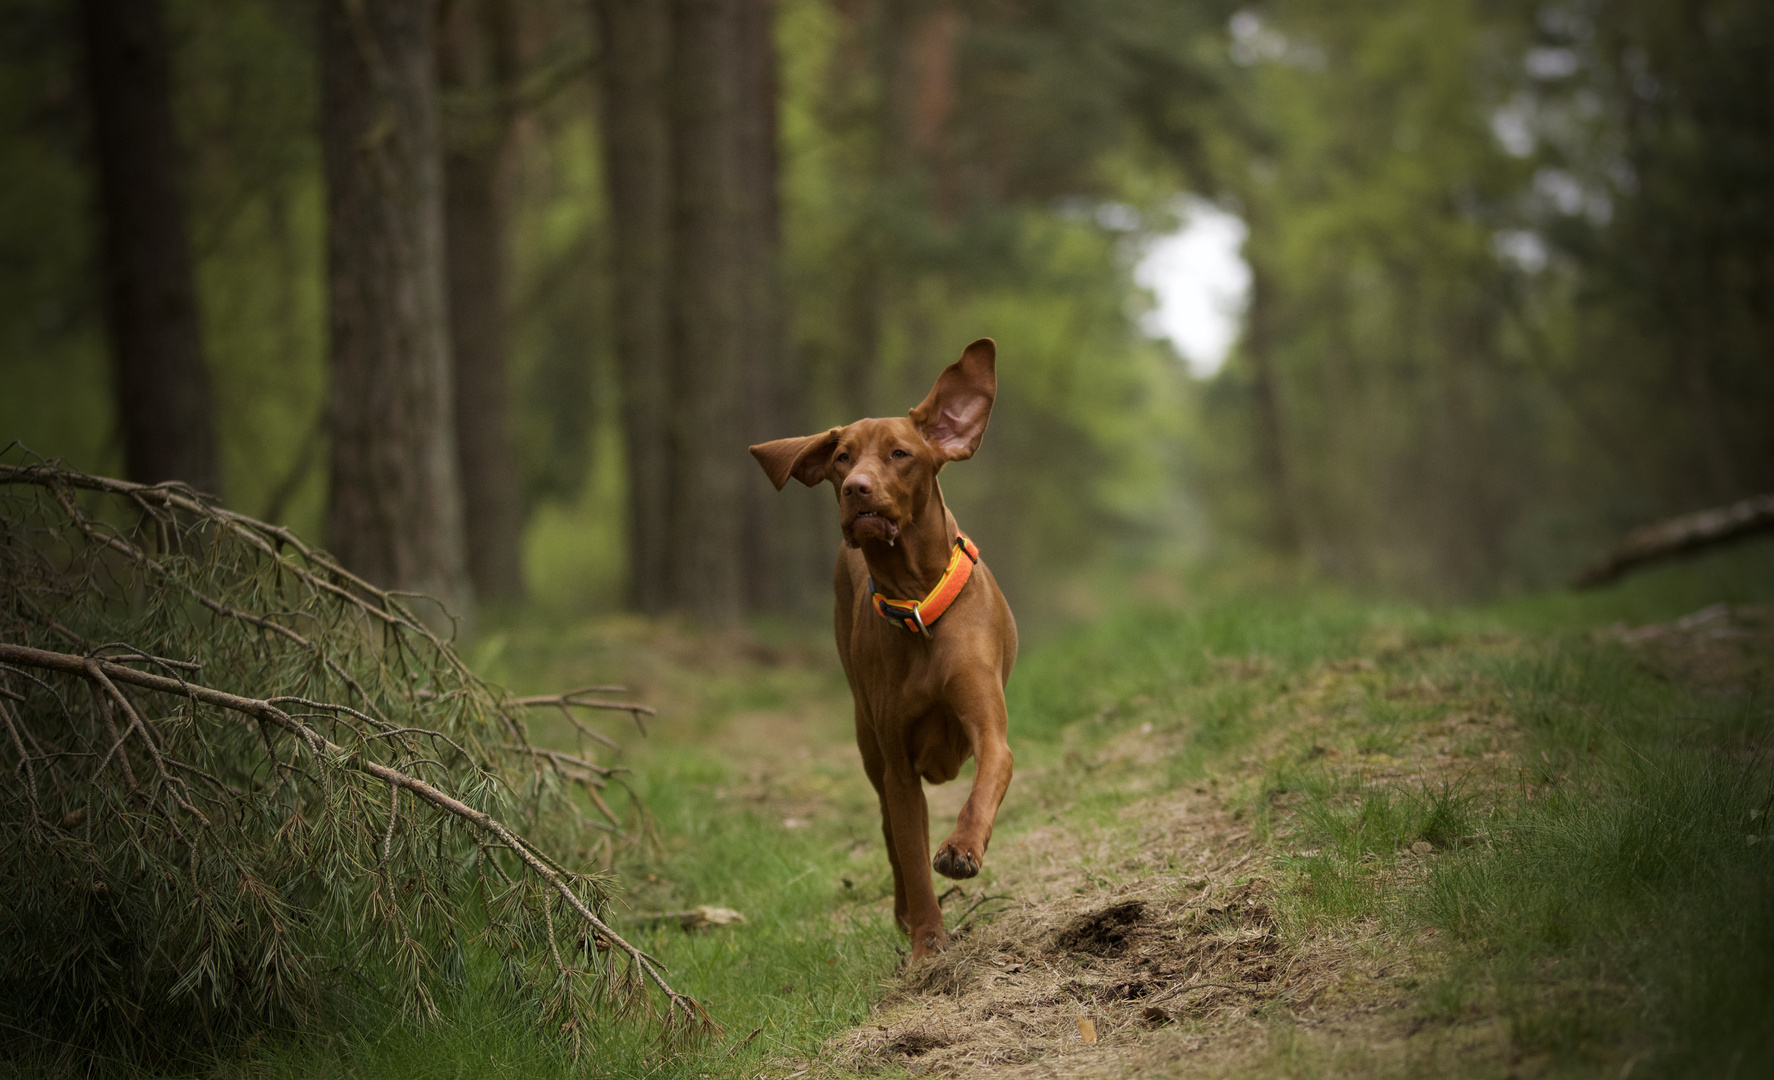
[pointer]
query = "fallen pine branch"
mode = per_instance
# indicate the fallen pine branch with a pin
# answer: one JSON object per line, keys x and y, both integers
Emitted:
{"x": 237, "y": 781}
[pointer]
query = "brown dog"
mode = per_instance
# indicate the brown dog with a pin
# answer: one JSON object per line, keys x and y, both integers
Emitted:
{"x": 928, "y": 678}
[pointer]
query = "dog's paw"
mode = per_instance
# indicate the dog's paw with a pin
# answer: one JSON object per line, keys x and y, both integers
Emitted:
{"x": 954, "y": 863}
{"x": 932, "y": 941}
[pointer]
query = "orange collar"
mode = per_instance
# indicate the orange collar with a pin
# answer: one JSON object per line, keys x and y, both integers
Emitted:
{"x": 917, "y": 615}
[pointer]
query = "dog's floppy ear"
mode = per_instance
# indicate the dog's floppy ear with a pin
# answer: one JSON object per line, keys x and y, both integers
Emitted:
{"x": 807, "y": 459}
{"x": 953, "y": 418}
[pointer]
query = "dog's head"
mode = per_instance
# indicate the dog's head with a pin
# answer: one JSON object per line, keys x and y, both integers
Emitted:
{"x": 885, "y": 469}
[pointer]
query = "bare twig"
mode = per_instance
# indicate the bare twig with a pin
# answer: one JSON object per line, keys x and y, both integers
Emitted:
{"x": 393, "y": 816}
{"x": 559, "y": 759}
{"x": 96, "y": 670}
{"x": 976, "y": 905}
{"x": 102, "y": 702}
{"x": 24, "y": 764}
{"x": 142, "y": 657}
{"x": 574, "y": 699}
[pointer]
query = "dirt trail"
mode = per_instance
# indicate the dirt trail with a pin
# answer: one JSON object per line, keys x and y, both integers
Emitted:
{"x": 1183, "y": 959}
{"x": 1159, "y": 928}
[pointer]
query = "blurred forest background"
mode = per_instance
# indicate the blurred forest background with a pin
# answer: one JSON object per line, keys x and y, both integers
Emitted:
{"x": 492, "y": 294}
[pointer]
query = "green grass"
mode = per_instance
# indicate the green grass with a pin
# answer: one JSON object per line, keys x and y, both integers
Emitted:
{"x": 1625, "y": 903}
{"x": 1618, "y": 907}
{"x": 1206, "y": 659}
{"x": 1609, "y": 907}
{"x": 805, "y": 963}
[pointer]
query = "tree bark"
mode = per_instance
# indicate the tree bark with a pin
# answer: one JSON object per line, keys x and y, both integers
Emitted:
{"x": 394, "y": 512}
{"x": 1694, "y": 351}
{"x": 865, "y": 301}
{"x": 909, "y": 49}
{"x": 159, "y": 382}
{"x": 707, "y": 316}
{"x": 1259, "y": 344}
{"x": 477, "y": 70}
{"x": 635, "y": 68}
{"x": 882, "y": 32}
{"x": 774, "y": 559}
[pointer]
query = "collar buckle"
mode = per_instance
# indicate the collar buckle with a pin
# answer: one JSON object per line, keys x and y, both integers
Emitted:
{"x": 909, "y": 615}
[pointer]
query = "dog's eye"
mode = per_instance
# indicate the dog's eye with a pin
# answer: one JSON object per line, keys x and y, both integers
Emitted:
{"x": 843, "y": 457}
{"x": 900, "y": 453}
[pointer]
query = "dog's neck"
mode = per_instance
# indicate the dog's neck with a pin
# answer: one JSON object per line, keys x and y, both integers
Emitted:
{"x": 909, "y": 568}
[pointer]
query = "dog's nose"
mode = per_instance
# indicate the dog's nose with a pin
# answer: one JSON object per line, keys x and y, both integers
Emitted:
{"x": 858, "y": 484}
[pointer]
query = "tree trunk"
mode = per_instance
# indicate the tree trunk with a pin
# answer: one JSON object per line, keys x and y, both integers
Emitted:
{"x": 635, "y": 68}
{"x": 864, "y": 303}
{"x": 394, "y": 513}
{"x": 160, "y": 385}
{"x": 1694, "y": 356}
{"x": 908, "y": 47}
{"x": 710, "y": 464}
{"x": 772, "y": 543}
{"x": 1259, "y": 344}
{"x": 477, "y": 69}
{"x": 883, "y": 33}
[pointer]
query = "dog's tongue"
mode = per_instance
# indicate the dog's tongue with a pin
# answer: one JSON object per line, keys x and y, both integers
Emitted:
{"x": 874, "y": 527}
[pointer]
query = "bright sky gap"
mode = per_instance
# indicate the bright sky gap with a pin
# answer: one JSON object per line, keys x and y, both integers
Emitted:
{"x": 1201, "y": 283}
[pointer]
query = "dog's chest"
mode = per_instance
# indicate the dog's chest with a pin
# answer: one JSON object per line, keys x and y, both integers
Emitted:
{"x": 893, "y": 673}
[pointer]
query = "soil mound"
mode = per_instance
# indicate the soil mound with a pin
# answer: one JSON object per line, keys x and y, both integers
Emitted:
{"x": 1102, "y": 933}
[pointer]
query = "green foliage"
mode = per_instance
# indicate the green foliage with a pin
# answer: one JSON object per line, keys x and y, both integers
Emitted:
{"x": 1373, "y": 186}
{"x": 1508, "y": 261}
{"x": 1508, "y": 258}
{"x": 1658, "y": 117}
{"x": 925, "y": 207}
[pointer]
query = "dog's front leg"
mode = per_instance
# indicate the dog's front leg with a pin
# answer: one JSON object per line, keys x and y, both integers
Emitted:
{"x": 908, "y": 836}
{"x": 978, "y": 701}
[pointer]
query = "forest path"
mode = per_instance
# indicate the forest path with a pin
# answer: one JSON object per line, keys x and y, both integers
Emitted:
{"x": 1168, "y": 924}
